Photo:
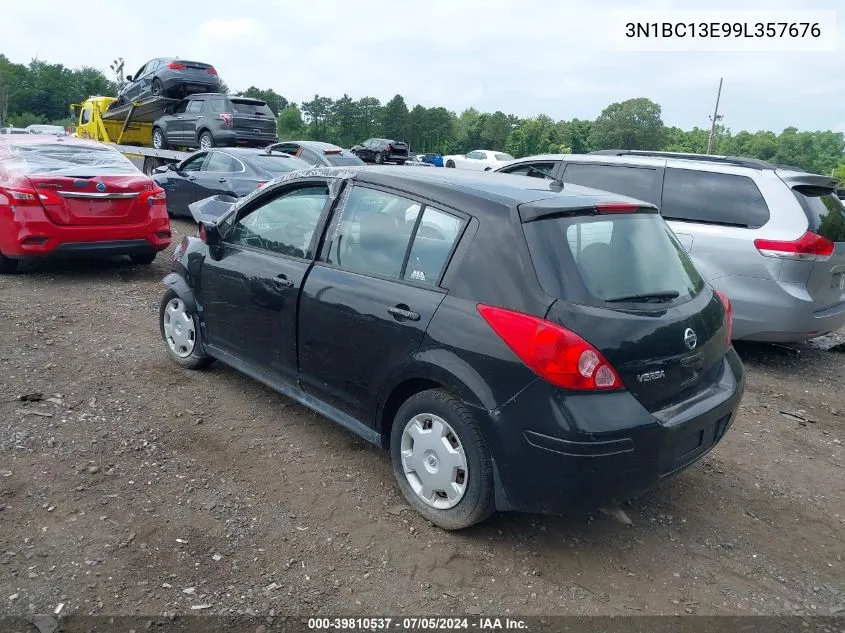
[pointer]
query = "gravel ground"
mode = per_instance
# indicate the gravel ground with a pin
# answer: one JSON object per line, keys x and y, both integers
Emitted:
{"x": 136, "y": 487}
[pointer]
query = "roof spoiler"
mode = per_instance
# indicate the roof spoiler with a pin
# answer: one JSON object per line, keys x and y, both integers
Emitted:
{"x": 813, "y": 181}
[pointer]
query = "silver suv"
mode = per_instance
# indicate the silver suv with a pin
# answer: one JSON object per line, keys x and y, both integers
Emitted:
{"x": 771, "y": 237}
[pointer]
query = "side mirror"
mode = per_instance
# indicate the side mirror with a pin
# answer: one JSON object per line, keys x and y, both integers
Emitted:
{"x": 172, "y": 166}
{"x": 128, "y": 77}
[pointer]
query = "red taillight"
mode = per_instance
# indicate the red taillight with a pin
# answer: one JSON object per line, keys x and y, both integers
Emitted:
{"x": 808, "y": 247}
{"x": 201, "y": 233}
{"x": 616, "y": 207}
{"x": 260, "y": 184}
{"x": 226, "y": 117}
{"x": 211, "y": 71}
{"x": 26, "y": 197}
{"x": 729, "y": 313}
{"x": 176, "y": 66}
{"x": 554, "y": 353}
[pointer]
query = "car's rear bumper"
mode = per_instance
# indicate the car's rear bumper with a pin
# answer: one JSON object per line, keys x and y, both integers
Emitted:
{"x": 190, "y": 85}
{"x": 232, "y": 138}
{"x": 555, "y": 452}
{"x": 30, "y": 234}
{"x": 775, "y": 312}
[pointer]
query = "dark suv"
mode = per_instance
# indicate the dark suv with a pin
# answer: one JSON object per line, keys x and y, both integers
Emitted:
{"x": 503, "y": 359}
{"x": 216, "y": 120}
{"x": 381, "y": 150}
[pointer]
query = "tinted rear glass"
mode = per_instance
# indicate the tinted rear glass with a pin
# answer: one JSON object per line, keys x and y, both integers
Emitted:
{"x": 251, "y": 108}
{"x": 636, "y": 182}
{"x": 824, "y": 212}
{"x": 344, "y": 159}
{"x": 593, "y": 259}
{"x": 713, "y": 198}
{"x": 275, "y": 164}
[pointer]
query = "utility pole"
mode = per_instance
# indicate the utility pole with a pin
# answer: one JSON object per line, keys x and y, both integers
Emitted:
{"x": 716, "y": 117}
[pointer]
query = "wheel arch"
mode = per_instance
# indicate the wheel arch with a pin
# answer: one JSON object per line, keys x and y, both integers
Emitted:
{"x": 177, "y": 283}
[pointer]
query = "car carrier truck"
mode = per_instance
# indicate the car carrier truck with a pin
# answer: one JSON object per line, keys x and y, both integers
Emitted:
{"x": 128, "y": 128}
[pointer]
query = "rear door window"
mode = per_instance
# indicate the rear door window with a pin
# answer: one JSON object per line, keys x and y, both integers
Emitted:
{"x": 713, "y": 198}
{"x": 220, "y": 162}
{"x": 196, "y": 106}
{"x": 824, "y": 210}
{"x": 598, "y": 259}
{"x": 636, "y": 182}
{"x": 433, "y": 243}
{"x": 216, "y": 106}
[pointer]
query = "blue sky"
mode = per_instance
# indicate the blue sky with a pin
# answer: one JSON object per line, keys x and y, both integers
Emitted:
{"x": 546, "y": 56}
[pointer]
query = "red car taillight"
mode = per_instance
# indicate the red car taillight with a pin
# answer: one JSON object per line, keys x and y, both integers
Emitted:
{"x": 260, "y": 185}
{"x": 808, "y": 247}
{"x": 176, "y": 66}
{"x": 156, "y": 196}
{"x": 211, "y": 71}
{"x": 27, "y": 197}
{"x": 729, "y": 313}
{"x": 226, "y": 117}
{"x": 554, "y": 353}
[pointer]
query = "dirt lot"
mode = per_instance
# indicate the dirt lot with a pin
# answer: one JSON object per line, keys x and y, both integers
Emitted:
{"x": 136, "y": 487}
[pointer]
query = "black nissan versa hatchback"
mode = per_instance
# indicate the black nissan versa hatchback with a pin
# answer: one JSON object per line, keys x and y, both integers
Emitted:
{"x": 516, "y": 344}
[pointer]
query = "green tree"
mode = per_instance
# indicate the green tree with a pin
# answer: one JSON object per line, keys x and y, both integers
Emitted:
{"x": 276, "y": 101}
{"x": 534, "y": 136}
{"x": 290, "y": 126}
{"x": 631, "y": 124}
{"x": 394, "y": 119}
{"x": 318, "y": 113}
{"x": 495, "y": 130}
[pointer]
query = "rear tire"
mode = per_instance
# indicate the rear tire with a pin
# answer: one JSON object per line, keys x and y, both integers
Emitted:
{"x": 206, "y": 140}
{"x": 159, "y": 139}
{"x": 450, "y": 163}
{"x": 378, "y": 159}
{"x": 183, "y": 345}
{"x": 156, "y": 88}
{"x": 460, "y": 451}
{"x": 7, "y": 265}
{"x": 143, "y": 260}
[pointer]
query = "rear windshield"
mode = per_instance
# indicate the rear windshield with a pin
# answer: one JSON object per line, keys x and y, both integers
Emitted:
{"x": 824, "y": 212}
{"x": 250, "y": 107}
{"x": 62, "y": 159}
{"x": 276, "y": 164}
{"x": 344, "y": 159}
{"x": 595, "y": 259}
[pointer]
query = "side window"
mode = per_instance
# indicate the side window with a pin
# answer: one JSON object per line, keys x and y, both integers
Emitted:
{"x": 433, "y": 242}
{"x": 86, "y": 116}
{"x": 215, "y": 106}
{"x": 194, "y": 163}
{"x": 476, "y": 155}
{"x": 372, "y": 232}
{"x": 703, "y": 196}
{"x": 180, "y": 109}
{"x": 535, "y": 170}
{"x": 288, "y": 148}
{"x": 152, "y": 66}
{"x": 140, "y": 72}
{"x": 283, "y": 225}
{"x": 195, "y": 106}
{"x": 637, "y": 182}
{"x": 218, "y": 161}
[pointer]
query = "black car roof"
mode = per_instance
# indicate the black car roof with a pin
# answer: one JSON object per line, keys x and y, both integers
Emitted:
{"x": 456, "y": 187}
{"x": 314, "y": 144}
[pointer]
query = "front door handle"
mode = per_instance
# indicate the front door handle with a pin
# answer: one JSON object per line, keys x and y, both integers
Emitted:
{"x": 192, "y": 178}
{"x": 282, "y": 281}
{"x": 402, "y": 312}
{"x": 221, "y": 180}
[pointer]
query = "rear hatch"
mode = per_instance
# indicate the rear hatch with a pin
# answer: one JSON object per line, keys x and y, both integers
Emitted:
{"x": 254, "y": 118}
{"x": 398, "y": 149}
{"x": 624, "y": 284}
{"x": 824, "y": 267}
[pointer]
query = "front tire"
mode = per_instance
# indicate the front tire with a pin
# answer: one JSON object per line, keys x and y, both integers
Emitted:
{"x": 7, "y": 265}
{"x": 156, "y": 88}
{"x": 450, "y": 163}
{"x": 378, "y": 159}
{"x": 441, "y": 460}
{"x": 181, "y": 334}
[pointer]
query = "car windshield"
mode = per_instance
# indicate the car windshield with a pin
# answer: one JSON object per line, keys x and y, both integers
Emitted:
{"x": 251, "y": 107}
{"x": 504, "y": 157}
{"x": 604, "y": 258}
{"x": 277, "y": 164}
{"x": 343, "y": 159}
{"x": 62, "y": 159}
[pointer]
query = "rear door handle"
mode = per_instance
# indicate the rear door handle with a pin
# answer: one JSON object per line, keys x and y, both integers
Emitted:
{"x": 402, "y": 312}
{"x": 192, "y": 178}
{"x": 282, "y": 281}
{"x": 221, "y": 180}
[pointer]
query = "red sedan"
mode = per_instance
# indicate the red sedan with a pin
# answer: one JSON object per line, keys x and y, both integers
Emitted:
{"x": 61, "y": 196}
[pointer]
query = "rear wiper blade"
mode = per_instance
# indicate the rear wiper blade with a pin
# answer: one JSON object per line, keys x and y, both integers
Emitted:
{"x": 661, "y": 295}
